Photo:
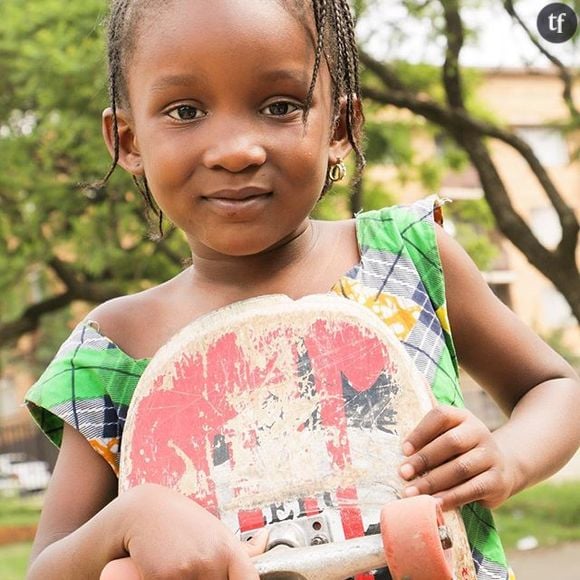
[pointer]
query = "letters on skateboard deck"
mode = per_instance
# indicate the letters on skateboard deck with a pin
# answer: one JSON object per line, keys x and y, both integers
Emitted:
{"x": 291, "y": 415}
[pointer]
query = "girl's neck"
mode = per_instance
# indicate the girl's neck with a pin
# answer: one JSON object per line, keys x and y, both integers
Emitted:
{"x": 261, "y": 273}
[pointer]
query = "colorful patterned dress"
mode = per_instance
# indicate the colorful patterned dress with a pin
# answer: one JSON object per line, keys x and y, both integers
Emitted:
{"x": 90, "y": 382}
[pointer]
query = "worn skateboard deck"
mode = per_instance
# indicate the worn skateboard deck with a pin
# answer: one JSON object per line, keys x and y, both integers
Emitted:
{"x": 273, "y": 411}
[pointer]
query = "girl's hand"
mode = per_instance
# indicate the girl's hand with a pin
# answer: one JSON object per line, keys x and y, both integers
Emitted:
{"x": 453, "y": 456}
{"x": 170, "y": 537}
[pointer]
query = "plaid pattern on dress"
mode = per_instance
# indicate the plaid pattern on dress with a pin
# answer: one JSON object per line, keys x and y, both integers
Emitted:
{"x": 90, "y": 382}
{"x": 400, "y": 279}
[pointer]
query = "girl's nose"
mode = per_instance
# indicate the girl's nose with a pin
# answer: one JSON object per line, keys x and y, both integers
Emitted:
{"x": 235, "y": 150}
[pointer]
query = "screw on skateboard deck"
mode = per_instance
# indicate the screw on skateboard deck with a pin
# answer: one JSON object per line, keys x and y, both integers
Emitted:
{"x": 271, "y": 412}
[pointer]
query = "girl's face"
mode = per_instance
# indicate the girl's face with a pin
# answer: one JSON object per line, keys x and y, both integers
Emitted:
{"x": 216, "y": 91}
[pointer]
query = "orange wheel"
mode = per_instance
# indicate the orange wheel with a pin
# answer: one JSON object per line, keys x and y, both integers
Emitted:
{"x": 413, "y": 548}
{"x": 122, "y": 569}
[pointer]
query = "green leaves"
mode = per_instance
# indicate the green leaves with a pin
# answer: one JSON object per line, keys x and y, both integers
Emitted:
{"x": 53, "y": 88}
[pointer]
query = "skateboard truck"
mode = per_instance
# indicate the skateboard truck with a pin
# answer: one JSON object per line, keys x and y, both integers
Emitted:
{"x": 335, "y": 561}
{"x": 329, "y": 562}
{"x": 414, "y": 543}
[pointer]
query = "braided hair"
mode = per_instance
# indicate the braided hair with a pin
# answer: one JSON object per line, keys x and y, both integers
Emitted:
{"x": 334, "y": 41}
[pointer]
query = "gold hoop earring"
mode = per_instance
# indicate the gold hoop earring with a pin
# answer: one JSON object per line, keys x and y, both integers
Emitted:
{"x": 337, "y": 171}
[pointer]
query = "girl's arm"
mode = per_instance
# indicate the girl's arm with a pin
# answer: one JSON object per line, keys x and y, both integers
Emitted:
{"x": 84, "y": 526}
{"x": 71, "y": 541}
{"x": 451, "y": 454}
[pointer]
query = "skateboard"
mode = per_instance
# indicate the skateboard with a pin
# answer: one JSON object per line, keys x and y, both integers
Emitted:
{"x": 291, "y": 415}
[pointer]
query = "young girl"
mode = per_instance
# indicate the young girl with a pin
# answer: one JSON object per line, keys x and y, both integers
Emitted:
{"x": 234, "y": 117}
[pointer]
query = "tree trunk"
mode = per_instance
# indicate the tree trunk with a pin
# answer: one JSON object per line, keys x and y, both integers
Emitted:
{"x": 559, "y": 267}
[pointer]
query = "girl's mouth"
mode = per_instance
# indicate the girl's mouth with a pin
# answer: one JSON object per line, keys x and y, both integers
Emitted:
{"x": 244, "y": 206}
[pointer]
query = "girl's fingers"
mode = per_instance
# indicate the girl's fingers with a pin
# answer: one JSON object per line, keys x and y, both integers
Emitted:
{"x": 451, "y": 474}
{"x": 434, "y": 423}
{"x": 476, "y": 489}
{"x": 451, "y": 443}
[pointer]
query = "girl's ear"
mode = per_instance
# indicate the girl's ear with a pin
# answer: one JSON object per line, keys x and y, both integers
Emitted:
{"x": 128, "y": 148}
{"x": 340, "y": 146}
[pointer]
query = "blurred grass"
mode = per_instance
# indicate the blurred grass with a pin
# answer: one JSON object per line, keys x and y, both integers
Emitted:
{"x": 549, "y": 512}
{"x": 14, "y": 512}
{"x": 20, "y": 511}
{"x": 13, "y": 561}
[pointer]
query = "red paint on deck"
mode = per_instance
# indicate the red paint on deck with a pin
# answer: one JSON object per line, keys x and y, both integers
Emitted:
{"x": 251, "y": 520}
{"x": 200, "y": 412}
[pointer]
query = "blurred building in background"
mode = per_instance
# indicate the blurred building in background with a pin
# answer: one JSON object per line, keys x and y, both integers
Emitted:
{"x": 528, "y": 101}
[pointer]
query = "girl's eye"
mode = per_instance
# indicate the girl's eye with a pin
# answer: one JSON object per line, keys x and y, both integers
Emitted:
{"x": 281, "y": 108}
{"x": 185, "y": 113}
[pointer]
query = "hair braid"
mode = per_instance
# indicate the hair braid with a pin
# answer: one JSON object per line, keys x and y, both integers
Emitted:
{"x": 319, "y": 7}
{"x": 117, "y": 44}
{"x": 343, "y": 63}
{"x": 345, "y": 27}
{"x": 341, "y": 56}
{"x": 350, "y": 24}
{"x": 118, "y": 12}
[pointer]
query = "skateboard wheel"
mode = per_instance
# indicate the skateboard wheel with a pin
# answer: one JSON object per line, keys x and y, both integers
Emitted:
{"x": 122, "y": 569}
{"x": 412, "y": 541}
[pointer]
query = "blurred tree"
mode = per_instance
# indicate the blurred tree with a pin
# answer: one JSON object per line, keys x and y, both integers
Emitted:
{"x": 441, "y": 96}
{"x": 61, "y": 243}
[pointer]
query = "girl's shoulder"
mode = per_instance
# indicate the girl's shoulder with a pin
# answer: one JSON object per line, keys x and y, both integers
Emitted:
{"x": 139, "y": 323}
{"x": 118, "y": 318}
